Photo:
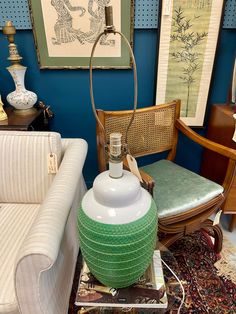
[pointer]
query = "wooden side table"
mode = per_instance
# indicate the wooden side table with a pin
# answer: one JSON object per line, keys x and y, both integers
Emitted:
{"x": 34, "y": 122}
{"x": 221, "y": 129}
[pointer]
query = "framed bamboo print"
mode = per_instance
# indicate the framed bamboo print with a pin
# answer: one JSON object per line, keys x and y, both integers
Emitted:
{"x": 65, "y": 30}
{"x": 188, "y": 39}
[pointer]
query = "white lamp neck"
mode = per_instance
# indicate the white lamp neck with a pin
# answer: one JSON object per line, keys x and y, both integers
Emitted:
{"x": 115, "y": 156}
{"x": 115, "y": 169}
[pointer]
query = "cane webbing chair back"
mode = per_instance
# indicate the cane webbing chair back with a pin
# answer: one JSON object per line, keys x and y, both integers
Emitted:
{"x": 152, "y": 130}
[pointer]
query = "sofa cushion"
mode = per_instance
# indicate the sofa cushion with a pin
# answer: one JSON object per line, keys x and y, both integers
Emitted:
{"x": 17, "y": 218}
{"x": 24, "y": 176}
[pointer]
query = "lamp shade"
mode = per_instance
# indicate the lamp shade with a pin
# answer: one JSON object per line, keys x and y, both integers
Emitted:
{"x": 117, "y": 224}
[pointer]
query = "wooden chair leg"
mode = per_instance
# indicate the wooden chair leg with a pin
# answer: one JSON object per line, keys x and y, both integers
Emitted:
{"x": 169, "y": 239}
{"x": 169, "y": 235}
{"x": 218, "y": 234}
{"x": 232, "y": 223}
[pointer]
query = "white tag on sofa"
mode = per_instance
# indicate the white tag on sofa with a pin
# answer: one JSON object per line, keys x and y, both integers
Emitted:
{"x": 133, "y": 166}
{"x": 52, "y": 163}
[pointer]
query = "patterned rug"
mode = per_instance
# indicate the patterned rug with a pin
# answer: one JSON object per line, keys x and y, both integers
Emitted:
{"x": 209, "y": 279}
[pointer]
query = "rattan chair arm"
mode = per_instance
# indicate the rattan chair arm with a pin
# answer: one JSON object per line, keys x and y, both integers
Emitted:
{"x": 148, "y": 182}
{"x": 213, "y": 146}
{"x": 229, "y": 176}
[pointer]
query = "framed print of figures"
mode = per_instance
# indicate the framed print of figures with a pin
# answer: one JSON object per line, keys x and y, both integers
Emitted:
{"x": 188, "y": 39}
{"x": 65, "y": 30}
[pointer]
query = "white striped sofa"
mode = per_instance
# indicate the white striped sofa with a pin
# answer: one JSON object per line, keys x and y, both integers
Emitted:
{"x": 38, "y": 234}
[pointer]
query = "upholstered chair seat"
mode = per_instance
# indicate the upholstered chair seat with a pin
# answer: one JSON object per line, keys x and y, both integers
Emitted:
{"x": 177, "y": 190}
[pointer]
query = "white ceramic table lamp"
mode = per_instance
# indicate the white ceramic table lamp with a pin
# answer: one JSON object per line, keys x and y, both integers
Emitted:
{"x": 21, "y": 99}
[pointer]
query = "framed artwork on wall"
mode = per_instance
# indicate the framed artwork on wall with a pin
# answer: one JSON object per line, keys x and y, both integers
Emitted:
{"x": 188, "y": 38}
{"x": 65, "y": 30}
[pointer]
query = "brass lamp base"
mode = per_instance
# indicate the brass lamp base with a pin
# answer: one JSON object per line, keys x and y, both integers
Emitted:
{"x": 25, "y": 112}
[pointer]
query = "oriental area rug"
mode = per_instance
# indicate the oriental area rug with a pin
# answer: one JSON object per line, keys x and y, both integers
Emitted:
{"x": 209, "y": 280}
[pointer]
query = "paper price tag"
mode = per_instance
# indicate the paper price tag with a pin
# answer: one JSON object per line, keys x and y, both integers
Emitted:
{"x": 234, "y": 136}
{"x": 134, "y": 167}
{"x": 52, "y": 163}
{"x": 217, "y": 218}
{"x": 167, "y": 7}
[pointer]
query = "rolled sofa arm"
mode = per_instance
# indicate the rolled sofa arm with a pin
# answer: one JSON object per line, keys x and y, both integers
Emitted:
{"x": 40, "y": 256}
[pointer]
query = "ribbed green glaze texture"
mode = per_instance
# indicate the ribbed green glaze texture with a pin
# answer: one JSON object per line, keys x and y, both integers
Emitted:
{"x": 117, "y": 255}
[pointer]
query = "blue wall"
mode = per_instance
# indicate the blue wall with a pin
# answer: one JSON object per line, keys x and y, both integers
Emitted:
{"x": 67, "y": 91}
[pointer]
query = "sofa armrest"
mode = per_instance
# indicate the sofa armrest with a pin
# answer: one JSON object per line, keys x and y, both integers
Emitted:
{"x": 41, "y": 248}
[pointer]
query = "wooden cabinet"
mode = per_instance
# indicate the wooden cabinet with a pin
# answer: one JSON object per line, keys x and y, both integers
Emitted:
{"x": 221, "y": 129}
{"x": 33, "y": 122}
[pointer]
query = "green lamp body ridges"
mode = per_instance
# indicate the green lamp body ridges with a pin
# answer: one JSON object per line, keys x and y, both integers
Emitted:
{"x": 118, "y": 254}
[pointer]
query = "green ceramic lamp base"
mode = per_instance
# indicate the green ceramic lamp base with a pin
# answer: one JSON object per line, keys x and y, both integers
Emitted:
{"x": 117, "y": 255}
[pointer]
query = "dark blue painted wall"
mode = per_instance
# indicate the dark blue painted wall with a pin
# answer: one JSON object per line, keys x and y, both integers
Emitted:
{"x": 67, "y": 91}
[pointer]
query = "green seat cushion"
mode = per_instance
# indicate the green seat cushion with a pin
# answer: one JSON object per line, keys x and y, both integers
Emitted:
{"x": 177, "y": 189}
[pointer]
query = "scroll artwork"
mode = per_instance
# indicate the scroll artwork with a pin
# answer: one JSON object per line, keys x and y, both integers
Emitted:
{"x": 65, "y": 31}
{"x": 188, "y": 39}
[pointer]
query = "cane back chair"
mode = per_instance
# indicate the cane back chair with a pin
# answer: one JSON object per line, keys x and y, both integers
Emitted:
{"x": 184, "y": 199}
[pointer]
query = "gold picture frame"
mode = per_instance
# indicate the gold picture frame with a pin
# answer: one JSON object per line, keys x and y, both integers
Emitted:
{"x": 65, "y": 30}
{"x": 188, "y": 40}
